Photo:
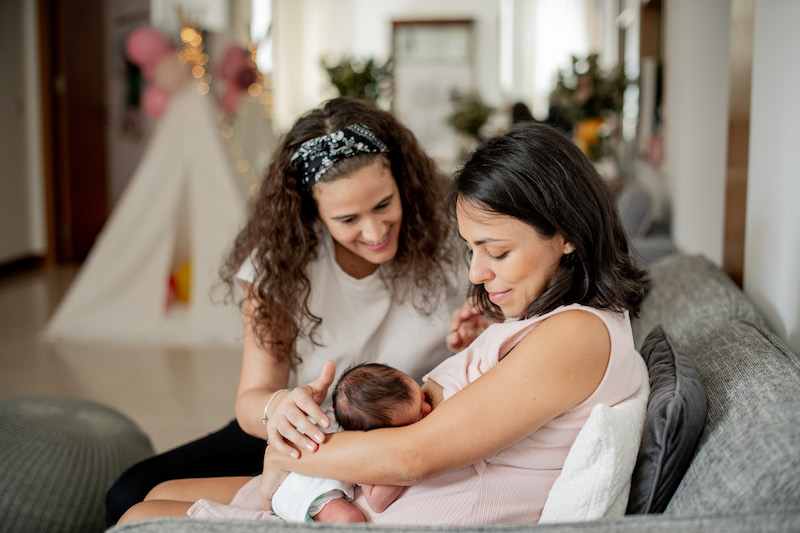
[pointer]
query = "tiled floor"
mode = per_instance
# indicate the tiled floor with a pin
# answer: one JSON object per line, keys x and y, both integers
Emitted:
{"x": 175, "y": 395}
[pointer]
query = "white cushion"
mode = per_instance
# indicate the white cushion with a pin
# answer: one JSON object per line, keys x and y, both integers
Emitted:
{"x": 596, "y": 478}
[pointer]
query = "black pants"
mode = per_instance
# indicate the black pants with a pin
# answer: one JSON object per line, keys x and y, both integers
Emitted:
{"x": 227, "y": 452}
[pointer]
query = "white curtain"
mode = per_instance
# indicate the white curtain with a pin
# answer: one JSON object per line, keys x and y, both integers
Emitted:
{"x": 538, "y": 39}
{"x": 304, "y": 32}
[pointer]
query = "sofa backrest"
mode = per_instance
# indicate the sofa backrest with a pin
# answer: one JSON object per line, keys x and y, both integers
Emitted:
{"x": 748, "y": 457}
{"x": 690, "y": 293}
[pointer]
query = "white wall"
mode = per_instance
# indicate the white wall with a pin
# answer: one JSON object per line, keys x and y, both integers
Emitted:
{"x": 309, "y": 29}
{"x": 697, "y": 63}
{"x": 127, "y": 132}
{"x": 772, "y": 234}
{"x": 34, "y": 152}
{"x": 697, "y": 49}
{"x": 211, "y": 15}
{"x": 22, "y": 222}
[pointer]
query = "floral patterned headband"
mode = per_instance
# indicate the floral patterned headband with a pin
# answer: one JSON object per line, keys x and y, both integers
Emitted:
{"x": 316, "y": 156}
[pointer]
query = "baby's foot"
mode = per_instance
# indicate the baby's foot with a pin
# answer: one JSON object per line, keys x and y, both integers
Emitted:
{"x": 339, "y": 510}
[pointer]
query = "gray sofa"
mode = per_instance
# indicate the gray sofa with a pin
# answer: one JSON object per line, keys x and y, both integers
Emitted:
{"x": 745, "y": 473}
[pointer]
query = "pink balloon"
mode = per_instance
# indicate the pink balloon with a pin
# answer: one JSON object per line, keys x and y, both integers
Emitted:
{"x": 233, "y": 62}
{"x": 146, "y": 46}
{"x": 229, "y": 100}
{"x": 149, "y": 71}
{"x": 155, "y": 101}
{"x": 170, "y": 74}
{"x": 245, "y": 78}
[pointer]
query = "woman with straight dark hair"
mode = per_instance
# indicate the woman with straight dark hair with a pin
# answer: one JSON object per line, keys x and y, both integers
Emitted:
{"x": 561, "y": 195}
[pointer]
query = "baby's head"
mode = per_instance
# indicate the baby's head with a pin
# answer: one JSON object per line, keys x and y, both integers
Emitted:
{"x": 373, "y": 395}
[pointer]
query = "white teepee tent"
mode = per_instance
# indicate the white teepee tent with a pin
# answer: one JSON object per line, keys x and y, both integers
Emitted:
{"x": 183, "y": 203}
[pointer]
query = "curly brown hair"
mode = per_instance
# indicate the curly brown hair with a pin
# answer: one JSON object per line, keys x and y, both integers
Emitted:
{"x": 281, "y": 240}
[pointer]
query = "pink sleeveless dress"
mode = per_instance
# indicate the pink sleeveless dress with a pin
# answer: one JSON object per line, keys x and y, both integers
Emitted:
{"x": 512, "y": 486}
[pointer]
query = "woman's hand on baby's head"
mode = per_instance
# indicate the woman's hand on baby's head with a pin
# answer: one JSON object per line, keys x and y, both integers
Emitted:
{"x": 288, "y": 426}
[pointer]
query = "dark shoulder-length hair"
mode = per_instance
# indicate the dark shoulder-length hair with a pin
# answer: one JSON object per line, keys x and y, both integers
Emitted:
{"x": 536, "y": 175}
{"x": 281, "y": 236}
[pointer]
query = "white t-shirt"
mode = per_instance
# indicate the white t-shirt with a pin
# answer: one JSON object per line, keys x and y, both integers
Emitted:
{"x": 362, "y": 323}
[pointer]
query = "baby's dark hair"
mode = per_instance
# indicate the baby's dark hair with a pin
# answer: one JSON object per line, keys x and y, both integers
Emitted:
{"x": 368, "y": 395}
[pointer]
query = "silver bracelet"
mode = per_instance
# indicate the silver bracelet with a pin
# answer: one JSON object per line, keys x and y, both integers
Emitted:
{"x": 264, "y": 420}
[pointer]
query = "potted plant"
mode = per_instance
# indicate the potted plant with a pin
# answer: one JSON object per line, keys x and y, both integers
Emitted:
{"x": 588, "y": 99}
{"x": 469, "y": 115}
{"x": 364, "y": 80}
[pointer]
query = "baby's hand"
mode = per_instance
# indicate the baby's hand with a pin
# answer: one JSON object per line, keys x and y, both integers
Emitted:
{"x": 434, "y": 393}
{"x": 467, "y": 323}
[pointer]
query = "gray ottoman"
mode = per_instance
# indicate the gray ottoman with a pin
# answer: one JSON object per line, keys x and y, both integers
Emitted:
{"x": 58, "y": 457}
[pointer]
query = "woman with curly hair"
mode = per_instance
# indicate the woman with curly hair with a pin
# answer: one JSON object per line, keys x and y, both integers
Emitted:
{"x": 347, "y": 257}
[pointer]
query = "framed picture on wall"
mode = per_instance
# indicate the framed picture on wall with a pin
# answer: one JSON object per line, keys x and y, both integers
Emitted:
{"x": 433, "y": 59}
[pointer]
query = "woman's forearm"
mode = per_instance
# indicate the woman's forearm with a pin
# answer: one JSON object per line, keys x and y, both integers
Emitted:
{"x": 250, "y": 410}
{"x": 550, "y": 371}
{"x": 261, "y": 375}
{"x": 399, "y": 455}
{"x": 375, "y": 457}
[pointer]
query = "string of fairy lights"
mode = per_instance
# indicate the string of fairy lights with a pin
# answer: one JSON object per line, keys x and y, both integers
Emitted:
{"x": 193, "y": 52}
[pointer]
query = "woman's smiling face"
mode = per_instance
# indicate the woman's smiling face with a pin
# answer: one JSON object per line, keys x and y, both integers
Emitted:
{"x": 363, "y": 214}
{"x": 508, "y": 257}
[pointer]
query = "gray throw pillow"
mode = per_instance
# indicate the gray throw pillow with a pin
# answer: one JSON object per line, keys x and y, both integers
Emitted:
{"x": 675, "y": 417}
